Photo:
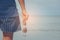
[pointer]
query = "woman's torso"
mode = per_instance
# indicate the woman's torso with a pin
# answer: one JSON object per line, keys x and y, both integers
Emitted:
{"x": 7, "y": 7}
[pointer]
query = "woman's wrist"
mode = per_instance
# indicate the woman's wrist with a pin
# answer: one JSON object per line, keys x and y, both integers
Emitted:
{"x": 23, "y": 10}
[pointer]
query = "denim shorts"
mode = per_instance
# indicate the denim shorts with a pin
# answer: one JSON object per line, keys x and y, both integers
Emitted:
{"x": 10, "y": 24}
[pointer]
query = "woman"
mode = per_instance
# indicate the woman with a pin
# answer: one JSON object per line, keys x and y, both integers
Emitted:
{"x": 9, "y": 18}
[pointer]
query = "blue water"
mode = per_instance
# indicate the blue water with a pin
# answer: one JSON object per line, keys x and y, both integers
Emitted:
{"x": 40, "y": 28}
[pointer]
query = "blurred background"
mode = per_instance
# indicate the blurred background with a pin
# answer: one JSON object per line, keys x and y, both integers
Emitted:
{"x": 44, "y": 20}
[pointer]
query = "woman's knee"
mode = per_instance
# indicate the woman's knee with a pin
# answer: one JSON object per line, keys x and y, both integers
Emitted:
{"x": 7, "y": 34}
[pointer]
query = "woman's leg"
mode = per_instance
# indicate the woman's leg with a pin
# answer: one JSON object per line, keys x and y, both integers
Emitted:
{"x": 7, "y": 36}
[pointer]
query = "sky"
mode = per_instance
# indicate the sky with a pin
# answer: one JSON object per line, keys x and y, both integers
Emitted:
{"x": 42, "y": 7}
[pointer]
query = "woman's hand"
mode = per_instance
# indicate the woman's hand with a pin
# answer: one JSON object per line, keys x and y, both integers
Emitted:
{"x": 24, "y": 19}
